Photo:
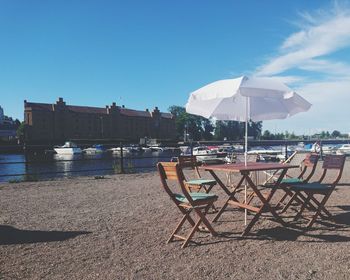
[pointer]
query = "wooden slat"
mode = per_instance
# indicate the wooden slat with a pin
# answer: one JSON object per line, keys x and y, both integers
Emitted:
{"x": 180, "y": 237}
{"x": 242, "y": 205}
{"x": 333, "y": 162}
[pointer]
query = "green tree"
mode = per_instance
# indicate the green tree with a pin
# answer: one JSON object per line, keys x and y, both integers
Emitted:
{"x": 335, "y": 134}
{"x": 220, "y": 130}
{"x": 21, "y": 130}
{"x": 197, "y": 127}
{"x": 267, "y": 135}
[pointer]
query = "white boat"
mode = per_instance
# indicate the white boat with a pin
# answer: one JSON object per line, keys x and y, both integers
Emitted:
{"x": 95, "y": 149}
{"x": 69, "y": 148}
{"x": 126, "y": 150}
{"x": 117, "y": 150}
{"x": 156, "y": 149}
{"x": 146, "y": 150}
{"x": 343, "y": 150}
{"x": 204, "y": 154}
{"x": 266, "y": 153}
{"x": 329, "y": 149}
{"x": 326, "y": 149}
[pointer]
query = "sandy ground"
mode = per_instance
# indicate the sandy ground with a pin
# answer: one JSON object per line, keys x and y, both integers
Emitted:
{"x": 116, "y": 228}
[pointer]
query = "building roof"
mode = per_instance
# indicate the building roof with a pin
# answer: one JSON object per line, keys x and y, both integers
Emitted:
{"x": 94, "y": 110}
{"x": 84, "y": 109}
{"x": 135, "y": 113}
{"x": 39, "y": 106}
{"x": 166, "y": 115}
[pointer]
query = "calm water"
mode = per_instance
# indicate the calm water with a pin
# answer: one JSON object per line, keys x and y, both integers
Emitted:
{"x": 48, "y": 166}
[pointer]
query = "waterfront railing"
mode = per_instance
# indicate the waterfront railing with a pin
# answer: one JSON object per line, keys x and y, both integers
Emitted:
{"x": 35, "y": 165}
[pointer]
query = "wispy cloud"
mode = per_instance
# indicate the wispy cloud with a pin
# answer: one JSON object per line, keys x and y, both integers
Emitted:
{"x": 319, "y": 36}
{"x": 315, "y": 55}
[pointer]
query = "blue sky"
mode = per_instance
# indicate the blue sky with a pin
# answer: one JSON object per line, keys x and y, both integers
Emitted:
{"x": 143, "y": 54}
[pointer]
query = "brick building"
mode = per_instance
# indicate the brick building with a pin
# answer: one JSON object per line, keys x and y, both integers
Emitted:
{"x": 61, "y": 122}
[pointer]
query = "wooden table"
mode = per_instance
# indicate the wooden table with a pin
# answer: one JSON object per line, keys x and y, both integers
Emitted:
{"x": 245, "y": 171}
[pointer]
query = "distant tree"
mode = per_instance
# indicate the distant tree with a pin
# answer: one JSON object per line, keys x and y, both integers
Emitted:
{"x": 220, "y": 130}
{"x": 17, "y": 123}
{"x": 208, "y": 130}
{"x": 233, "y": 130}
{"x": 255, "y": 129}
{"x": 335, "y": 134}
{"x": 267, "y": 135}
{"x": 198, "y": 128}
{"x": 20, "y": 130}
{"x": 324, "y": 135}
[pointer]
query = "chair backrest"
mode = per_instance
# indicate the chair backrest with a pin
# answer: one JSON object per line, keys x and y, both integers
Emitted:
{"x": 189, "y": 161}
{"x": 310, "y": 161}
{"x": 171, "y": 171}
{"x": 296, "y": 158}
{"x": 333, "y": 162}
{"x": 237, "y": 158}
{"x": 304, "y": 159}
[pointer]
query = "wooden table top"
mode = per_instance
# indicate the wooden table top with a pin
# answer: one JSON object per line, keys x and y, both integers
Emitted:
{"x": 251, "y": 166}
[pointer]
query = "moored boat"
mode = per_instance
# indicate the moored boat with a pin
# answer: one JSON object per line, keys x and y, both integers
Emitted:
{"x": 95, "y": 149}
{"x": 204, "y": 154}
{"x": 343, "y": 150}
{"x": 69, "y": 148}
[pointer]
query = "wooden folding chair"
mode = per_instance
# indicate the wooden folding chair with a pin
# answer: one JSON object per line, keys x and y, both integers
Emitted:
{"x": 296, "y": 158}
{"x": 187, "y": 202}
{"x": 199, "y": 183}
{"x": 310, "y": 162}
{"x": 309, "y": 191}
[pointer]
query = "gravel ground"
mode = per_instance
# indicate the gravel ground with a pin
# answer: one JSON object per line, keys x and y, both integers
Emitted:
{"x": 116, "y": 228}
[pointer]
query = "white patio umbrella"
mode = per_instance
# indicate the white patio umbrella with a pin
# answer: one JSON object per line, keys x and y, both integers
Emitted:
{"x": 244, "y": 99}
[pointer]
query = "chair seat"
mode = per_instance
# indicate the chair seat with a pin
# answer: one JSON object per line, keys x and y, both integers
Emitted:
{"x": 311, "y": 186}
{"x": 201, "y": 182}
{"x": 195, "y": 197}
{"x": 292, "y": 181}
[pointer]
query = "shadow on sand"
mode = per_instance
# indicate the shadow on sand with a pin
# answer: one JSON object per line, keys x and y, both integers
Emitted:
{"x": 11, "y": 236}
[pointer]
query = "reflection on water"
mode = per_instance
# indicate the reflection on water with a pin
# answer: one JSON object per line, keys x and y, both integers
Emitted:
{"x": 46, "y": 166}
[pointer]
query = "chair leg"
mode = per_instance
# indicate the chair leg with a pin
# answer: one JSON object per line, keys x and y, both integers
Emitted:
{"x": 205, "y": 220}
{"x": 282, "y": 199}
{"x": 289, "y": 202}
{"x": 319, "y": 209}
{"x": 194, "y": 229}
{"x": 323, "y": 209}
{"x": 303, "y": 206}
{"x": 201, "y": 218}
{"x": 179, "y": 225}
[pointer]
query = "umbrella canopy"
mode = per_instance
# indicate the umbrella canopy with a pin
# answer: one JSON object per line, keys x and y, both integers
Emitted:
{"x": 257, "y": 99}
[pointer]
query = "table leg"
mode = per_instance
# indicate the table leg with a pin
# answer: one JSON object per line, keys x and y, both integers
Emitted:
{"x": 221, "y": 184}
{"x": 265, "y": 202}
{"x": 231, "y": 195}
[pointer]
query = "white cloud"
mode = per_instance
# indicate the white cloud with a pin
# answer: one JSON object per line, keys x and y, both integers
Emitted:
{"x": 326, "y": 79}
{"x": 317, "y": 38}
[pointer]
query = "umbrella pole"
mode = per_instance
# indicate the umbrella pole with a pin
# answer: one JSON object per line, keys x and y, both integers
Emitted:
{"x": 245, "y": 156}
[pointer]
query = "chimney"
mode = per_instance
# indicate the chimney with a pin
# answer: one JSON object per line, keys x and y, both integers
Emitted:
{"x": 60, "y": 101}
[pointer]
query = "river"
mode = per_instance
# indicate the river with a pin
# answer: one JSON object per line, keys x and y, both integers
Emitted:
{"x": 43, "y": 166}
